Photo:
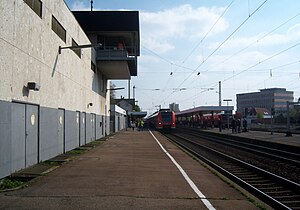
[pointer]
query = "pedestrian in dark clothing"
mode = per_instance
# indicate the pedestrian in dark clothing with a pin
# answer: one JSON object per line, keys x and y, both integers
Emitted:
{"x": 233, "y": 125}
{"x": 220, "y": 124}
{"x": 245, "y": 125}
{"x": 238, "y": 123}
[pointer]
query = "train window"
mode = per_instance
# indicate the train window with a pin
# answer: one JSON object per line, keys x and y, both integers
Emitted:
{"x": 166, "y": 117}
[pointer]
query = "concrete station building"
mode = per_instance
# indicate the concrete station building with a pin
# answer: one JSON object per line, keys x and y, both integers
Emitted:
{"x": 51, "y": 100}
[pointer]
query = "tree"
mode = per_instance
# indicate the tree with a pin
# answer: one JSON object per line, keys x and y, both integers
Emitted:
{"x": 112, "y": 92}
{"x": 136, "y": 108}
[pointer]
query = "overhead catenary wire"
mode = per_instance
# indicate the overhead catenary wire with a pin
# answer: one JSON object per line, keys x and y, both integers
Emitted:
{"x": 201, "y": 42}
{"x": 256, "y": 41}
{"x": 192, "y": 51}
{"x": 262, "y": 61}
{"x": 210, "y": 55}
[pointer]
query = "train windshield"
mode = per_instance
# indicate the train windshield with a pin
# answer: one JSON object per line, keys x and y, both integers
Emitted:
{"x": 166, "y": 116}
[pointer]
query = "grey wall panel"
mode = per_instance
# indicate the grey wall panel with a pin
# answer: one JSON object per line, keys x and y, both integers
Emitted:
{"x": 61, "y": 131}
{"x": 98, "y": 127}
{"x": 32, "y": 132}
{"x": 5, "y": 138}
{"x": 88, "y": 126}
{"x": 48, "y": 133}
{"x": 107, "y": 125}
{"x": 82, "y": 128}
{"x": 71, "y": 138}
{"x": 77, "y": 128}
{"x": 17, "y": 137}
{"x": 93, "y": 123}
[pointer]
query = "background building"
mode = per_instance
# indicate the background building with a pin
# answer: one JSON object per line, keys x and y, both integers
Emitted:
{"x": 51, "y": 100}
{"x": 273, "y": 98}
{"x": 117, "y": 118}
{"x": 174, "y": 107}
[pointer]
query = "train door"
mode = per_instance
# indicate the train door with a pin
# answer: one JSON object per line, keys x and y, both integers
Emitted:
{"x": 61, "y": 131}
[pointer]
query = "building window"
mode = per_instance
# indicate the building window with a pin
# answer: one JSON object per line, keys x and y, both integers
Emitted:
{"x": 93, "y": 66}
{"x": 35, "y": 5}
{"x": 76, "y": 50}
{"x": 58, "y": 29}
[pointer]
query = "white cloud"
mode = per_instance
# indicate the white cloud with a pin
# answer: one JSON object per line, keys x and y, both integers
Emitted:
{"x": 179, "y": 23}
{"x": 79, "y": 5}
{"x": 258, "y": 41}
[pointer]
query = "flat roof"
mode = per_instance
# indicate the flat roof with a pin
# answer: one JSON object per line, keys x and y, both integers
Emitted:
{"x": 205, "y": 109}
{"x": 108, "y": 20}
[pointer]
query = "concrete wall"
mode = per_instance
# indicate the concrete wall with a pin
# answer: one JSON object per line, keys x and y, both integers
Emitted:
{"x": 57, "y": 115}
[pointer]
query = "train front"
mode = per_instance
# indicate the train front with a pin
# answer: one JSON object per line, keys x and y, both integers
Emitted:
{"x": 166, "y": 120}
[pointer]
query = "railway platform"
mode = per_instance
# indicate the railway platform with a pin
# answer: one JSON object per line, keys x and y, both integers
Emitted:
{"x": 130, "y": 170}
{"x": 279, "y": 138}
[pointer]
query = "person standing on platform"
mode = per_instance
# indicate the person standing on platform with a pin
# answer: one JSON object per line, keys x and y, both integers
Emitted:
{"x": 233, "y": 125}
{"x": 245, "y": 125}
{"x": 220, "y": 124}
{"x": 132, "y": 125}
{"x": 238, "y": 123}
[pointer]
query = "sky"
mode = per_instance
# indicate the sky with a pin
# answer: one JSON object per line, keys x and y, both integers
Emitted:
{"x": 187, "y": 47}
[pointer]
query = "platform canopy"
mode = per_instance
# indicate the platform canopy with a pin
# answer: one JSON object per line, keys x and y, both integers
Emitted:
{"x": 205, "y": 110}
{"x": 137, "y": 114}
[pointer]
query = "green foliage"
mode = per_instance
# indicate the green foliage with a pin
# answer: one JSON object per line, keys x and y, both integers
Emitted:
{"x": 9, "y": 184}
{"x": 77, "y": 151}
{"x": 260, "y": 115}
{"x": 136, "y": 108}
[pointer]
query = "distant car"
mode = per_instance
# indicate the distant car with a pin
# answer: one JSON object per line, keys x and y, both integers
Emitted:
{"x": 164, "y": 119}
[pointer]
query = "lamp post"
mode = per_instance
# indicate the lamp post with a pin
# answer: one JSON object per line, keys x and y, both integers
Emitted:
{"x": 227, "y": 100}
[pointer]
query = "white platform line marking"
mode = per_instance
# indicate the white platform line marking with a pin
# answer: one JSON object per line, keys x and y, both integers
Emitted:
{"x": 187, "y": 178}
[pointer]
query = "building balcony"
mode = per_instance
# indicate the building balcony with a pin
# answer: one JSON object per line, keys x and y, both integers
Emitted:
{"x": 113, "y": 28}
{"x": 116, "y": 64}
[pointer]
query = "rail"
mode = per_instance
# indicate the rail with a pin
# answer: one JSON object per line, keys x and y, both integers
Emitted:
{"x": 273, "y": 189}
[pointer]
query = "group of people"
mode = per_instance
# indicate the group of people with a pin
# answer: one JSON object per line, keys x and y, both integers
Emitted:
{"x": 236, "y": 125}
{"x": 139, "y": 124}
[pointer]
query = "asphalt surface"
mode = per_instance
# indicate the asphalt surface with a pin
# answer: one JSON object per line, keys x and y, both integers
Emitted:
{"x": 127, "y": 171}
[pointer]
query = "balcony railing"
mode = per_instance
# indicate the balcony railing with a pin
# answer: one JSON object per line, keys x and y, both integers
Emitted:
{"x": 113, "y": 53}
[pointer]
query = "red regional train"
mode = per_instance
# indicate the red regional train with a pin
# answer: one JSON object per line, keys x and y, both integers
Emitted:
{"x": 205, "y": 120}
{"x": 164, "y": 119}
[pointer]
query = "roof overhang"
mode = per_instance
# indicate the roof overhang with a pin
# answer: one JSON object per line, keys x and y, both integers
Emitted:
{"x": 114, "y": 69}
{"x": 204, "y": 110}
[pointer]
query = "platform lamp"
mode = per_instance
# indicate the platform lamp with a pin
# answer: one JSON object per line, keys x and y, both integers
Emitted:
{"x": 227, "y": 100}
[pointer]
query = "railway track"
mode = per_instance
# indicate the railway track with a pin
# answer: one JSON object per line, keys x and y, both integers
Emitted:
{"x": 285, "y": 156}
{"x": 275, "y": 190}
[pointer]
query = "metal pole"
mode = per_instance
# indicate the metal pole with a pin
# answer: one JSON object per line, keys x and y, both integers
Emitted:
{"x": 271, "y": 124}
{"x": 288, "y": 132}
{"x": 133, "y": 91}
{"x": 227, "y": 116}
{"x": 129, "y": 89}
{"x": 220, "y": 100}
